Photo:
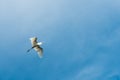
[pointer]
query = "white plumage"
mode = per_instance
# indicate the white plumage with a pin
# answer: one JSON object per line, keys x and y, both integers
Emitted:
{"x": 36, "y": 46}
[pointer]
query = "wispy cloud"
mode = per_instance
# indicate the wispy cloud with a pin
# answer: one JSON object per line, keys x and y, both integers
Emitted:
{"x": 82, "y": 39}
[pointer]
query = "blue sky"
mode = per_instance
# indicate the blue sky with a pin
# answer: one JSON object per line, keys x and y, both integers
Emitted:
{"x": 81, "y": 39}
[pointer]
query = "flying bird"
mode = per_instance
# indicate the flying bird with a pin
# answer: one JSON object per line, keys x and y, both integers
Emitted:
{"x": 36, "y": 46}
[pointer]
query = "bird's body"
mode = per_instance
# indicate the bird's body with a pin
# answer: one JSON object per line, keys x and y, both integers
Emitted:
{"x": 36, "y": 46}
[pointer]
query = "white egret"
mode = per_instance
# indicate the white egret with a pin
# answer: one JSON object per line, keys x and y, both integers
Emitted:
{"x": 36, "y": 46}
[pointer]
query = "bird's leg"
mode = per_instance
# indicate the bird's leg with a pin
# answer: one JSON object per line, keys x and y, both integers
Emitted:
{"x": 31, "y": 48}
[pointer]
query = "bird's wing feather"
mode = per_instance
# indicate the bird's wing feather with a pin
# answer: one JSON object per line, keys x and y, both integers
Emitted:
{"x": 33, "y": 41}
{"x": 39, "y": 50}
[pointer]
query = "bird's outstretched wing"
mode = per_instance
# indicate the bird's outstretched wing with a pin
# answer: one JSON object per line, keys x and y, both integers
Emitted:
{"x": 33, "y": 41}
{"x": 39, "y": 50}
